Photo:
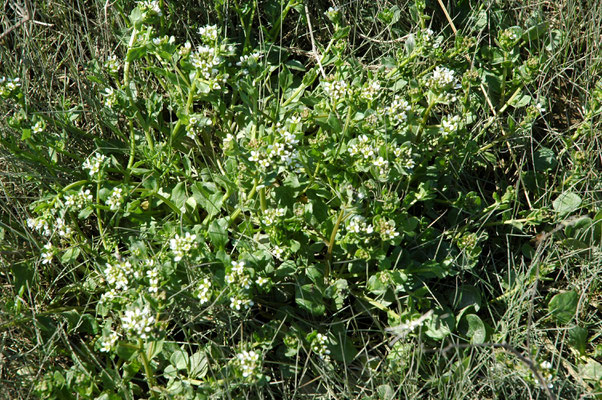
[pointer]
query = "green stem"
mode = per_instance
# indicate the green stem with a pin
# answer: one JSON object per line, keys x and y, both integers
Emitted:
{"x": 262, "y": 199}
{"x": 423, "y": 122}
{"x": 333, "y": 236}
{"x": 237, "y": 212}
{"x": 99, "y": 216}
{"x": 148, "y": 371}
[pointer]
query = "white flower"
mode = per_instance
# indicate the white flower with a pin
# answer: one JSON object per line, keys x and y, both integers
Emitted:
{"x": 181, "y": 246}
{"x": 442, "y": 77}
{"x": 261, "y": 281}
{"x": 335, "y": 89}
{"x": 115, "y": 200}
{"x": 203, "y": 291}
{"x": 449, "y": 125}
{"x": 138, "y": 321}
{"x": 108, "y": 342}
{"x": 48, "y": 253}
{"x": 38, "y": 127}
{"x": 320, "y": 346}
{"x": 249, "y": 363}
{"x": 387, "y": 230}
{"x": 237, "y": 303}
{"x": 110, "y": 97}
{"x": 112, "y": 64}
{"x": 118, "y": 275}
{"x": 540, "y": 108}
{"x": 208, "y": 33}
{"x": 78, "y": 200}
{"x": 150, "y": 6}
{"x": 94, "y": 163}
{"x": 278, "y": 251}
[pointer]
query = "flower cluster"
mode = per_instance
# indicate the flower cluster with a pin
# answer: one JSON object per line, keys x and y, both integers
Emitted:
{"x": 357, "y": 224}
{"x": 240, "y": 283}
{"x": 48, "y": 253}
{"x": 336, "y": 90}
{"x": 319, "y": 345}
{"x": 208, "y": 33}
{"x": 112, "y": 64}
{"x": 387, "y": 230}
{"x": 362, "y": 147}
{"x": 397, "y": 110}
{"x": 78, "y": 200}
{"x": 508, "y": 38}
{"x": 196, "y": 125}
{"x": 150, "y": 6}
{"x": 249, "y": 364}
{"x": 115, "y": 200}
{"x": 118, "y": 277}
{"x": 248, "y": 60}
{"x": 449, "y": 125}
{"x": 110, "y": 97}
{"x": 152, "y": 273}
{"x": 281, "y": 151}
{"x": 181, "y": 246}
{"x": 8, "y": 85}
{"x": 202, "y": 292}
{"x": 108, "y": 342}
{"x": 404, "y": 158}
{"x": 204, "y": 59}
{"x": 138, "y": 321}
{"x": 237, "y": 275}
{"x": 271, "y": 215}
{"x": 278, "y": 252}
{"x": 94, "y": 163}
{"x": 442, "y": 77}
{"x": 547, "y": 373}
{"x": 39, "y": 225}
{"x": 371, "y": 91}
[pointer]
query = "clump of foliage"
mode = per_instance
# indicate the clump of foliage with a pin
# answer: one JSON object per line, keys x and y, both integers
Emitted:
{"x": 251, "y": 223}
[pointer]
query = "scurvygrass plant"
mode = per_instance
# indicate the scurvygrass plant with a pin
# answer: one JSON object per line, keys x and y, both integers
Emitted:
{"x": 249, "y": 223}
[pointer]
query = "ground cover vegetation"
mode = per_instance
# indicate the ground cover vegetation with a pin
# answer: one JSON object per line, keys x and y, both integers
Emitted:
{"x": 300, "y": 199}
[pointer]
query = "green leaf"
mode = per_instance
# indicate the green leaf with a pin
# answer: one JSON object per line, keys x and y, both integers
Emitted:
{"x": 440, "y": 325}
{"x": 592, "y": 371}
{"x": 566, "y": 203}
{"x": 544, "y": 159}
{"x": 521, "y": 100}
{"x": 296, "y": 65}
{"x": 178, "y": 195}
{"x": 180, "y": 359}
{"x": 341, "y": 33}
{"x": 199, "y": 365}
{"x": 385, "y": 392}
{"x": 578, "y": 338}
{"x": 309, "y": 298}
{"x": 476, "y": 328}
{"x": 218, "y": 233}
{"x": 126, "y": 351}
{"x": 208, "y": 196}
{"x": 563, "y": 306}
{"x": 70, "y": 255}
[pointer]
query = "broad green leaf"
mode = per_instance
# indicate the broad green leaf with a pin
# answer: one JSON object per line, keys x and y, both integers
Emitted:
{"x": 218, "y": 233}
{"x": 70, "y": 255}
{"x": 578, "y": 338}
{"x": 592, "y": 371}
{"x": 544, "y": 159}
{"x": 199, "y": 365}
{"x": 563, "y": 306}
{"x": 385, "y": 392}
{"x": 180, "y": 359}
{"x": 309, "y": 298}
{"x": 476, "y": 329}
{"x": 566, "y": 203}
